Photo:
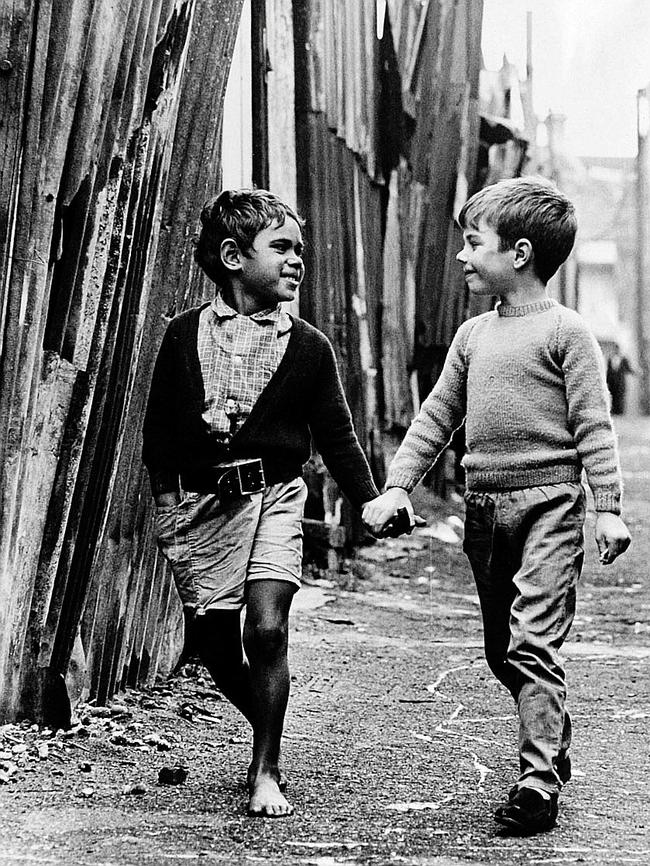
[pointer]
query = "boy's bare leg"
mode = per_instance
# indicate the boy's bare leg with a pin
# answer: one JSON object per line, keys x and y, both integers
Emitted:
{"x": 266, "y": 641}
{"x": 217, "y": 636}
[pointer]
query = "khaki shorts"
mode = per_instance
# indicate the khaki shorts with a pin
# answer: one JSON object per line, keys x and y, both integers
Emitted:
{"x": 215, "y": 550}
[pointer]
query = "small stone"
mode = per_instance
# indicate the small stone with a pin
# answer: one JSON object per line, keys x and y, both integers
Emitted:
{"x": 159, "y": 742}
{"x": 43, "y": 751}
{"x": 99, "y": 712}
{"x": 138, "y": 788}
{"x": 19, "y": 749}
{"x": 172, "y": 775}
{"x": 85, "y": 766}
{"x": 87, "y": 792}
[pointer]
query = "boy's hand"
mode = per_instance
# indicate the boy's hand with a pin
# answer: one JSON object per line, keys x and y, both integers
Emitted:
{"x": 378, "y": 511}
{"x": 612, "y": 536}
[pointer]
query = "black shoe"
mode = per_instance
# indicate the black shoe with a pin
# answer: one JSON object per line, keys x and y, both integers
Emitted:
{"x": 528, "y": 812}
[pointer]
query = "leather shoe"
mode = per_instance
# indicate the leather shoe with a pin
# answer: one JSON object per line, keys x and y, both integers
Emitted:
{"x": 528, "y": 812}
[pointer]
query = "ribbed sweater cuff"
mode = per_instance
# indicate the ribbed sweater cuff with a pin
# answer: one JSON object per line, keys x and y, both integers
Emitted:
{"x": 402, "y": 479}
{"x": 606, "y": 500}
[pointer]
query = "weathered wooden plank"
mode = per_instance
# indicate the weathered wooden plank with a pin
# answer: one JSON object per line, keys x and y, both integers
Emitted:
{"x": 282, "y": 126}
{"x": 25, "y": 280}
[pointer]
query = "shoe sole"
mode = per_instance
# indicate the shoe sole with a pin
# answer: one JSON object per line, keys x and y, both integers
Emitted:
{"x": 520, "y": 829}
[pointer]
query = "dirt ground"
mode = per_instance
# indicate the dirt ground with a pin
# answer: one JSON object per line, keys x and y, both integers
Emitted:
{"x": 399, "y": 745}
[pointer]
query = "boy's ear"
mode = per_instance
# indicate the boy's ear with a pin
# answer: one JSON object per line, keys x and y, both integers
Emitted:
{"x": 524, "y": 253}
{"x": 230, "y": 254}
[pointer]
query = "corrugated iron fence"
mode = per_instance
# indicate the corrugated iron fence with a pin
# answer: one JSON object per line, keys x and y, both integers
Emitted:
{"x": 109, "y": 141}
{"x": 110, "y": 131}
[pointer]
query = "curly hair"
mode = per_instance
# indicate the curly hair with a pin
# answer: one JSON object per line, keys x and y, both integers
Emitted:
{"x": 240, "y": 214}
{"x": 526, "y": 207}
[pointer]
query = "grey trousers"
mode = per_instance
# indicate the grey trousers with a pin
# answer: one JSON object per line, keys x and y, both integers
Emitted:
{"x": 526, "y": 552}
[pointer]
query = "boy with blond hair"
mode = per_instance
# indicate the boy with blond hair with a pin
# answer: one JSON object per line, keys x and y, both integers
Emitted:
{"x": 528, "y": 380}
{"x": 239, "y": 390}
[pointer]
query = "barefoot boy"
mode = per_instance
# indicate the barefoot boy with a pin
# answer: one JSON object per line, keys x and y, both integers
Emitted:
{"x": 528, "y": 378}
{"x": 238, "y": 389}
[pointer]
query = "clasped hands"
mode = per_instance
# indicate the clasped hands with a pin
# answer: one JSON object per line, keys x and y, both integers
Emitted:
{"x": 377, "y": 513}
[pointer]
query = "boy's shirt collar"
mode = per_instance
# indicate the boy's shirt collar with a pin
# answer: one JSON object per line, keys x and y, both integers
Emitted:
{"x": 274, "y": 314}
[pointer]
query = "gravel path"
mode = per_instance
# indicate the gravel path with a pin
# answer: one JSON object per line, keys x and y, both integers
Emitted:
{"x": 399, "y": 744}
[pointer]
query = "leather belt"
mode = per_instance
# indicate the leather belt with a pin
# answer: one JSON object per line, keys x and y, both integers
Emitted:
{"x": 230, "y": 481}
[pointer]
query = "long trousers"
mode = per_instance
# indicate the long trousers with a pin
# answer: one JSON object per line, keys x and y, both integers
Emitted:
{"x": 526, "y": 552}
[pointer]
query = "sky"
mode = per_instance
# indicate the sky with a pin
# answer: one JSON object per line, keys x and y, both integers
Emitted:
{"x": 590, "y": 57}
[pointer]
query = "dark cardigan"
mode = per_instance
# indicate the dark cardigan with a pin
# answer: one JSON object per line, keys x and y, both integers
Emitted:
{"x": 303, "y": 397}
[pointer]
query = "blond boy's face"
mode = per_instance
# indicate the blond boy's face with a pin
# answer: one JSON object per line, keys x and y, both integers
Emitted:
{"x": 487, "y": 269}
{"x": 272, "y": 270}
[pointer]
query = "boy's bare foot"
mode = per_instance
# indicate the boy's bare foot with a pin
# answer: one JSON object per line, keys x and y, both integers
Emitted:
{"x": 266, "y": 798}
{"x": 283, "y": 781}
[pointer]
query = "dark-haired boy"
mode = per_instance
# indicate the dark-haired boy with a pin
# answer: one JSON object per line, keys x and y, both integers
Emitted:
{"x": 239, "y": 389}
{"x": 528, "y": 378}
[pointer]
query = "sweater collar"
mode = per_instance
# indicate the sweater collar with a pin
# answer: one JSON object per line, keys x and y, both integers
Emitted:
{"x": 526, "y": 309}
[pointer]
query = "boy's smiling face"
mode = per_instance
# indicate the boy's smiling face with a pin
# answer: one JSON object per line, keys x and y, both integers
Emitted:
{"x": 272, "y": 269}
{"x": 488, "y": 270}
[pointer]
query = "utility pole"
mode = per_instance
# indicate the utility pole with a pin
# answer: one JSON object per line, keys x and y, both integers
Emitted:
{"x": 643, "y": 239}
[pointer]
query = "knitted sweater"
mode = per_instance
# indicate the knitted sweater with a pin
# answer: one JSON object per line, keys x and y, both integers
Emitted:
{"x": 303, "y": 399}
{"x": 529, "y": 382}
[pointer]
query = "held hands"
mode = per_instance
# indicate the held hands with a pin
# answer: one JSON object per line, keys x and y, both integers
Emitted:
{"x": 612, "y": 536}
{"x": 379, "y": 511}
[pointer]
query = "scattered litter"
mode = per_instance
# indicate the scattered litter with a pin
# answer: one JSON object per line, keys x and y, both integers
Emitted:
{"x": 123, "y": 740}
{"x": 420, "y": 807}
{"x": 424, "y": 737}
{"x": 380, "y": 553}
{"x": 159, "y": 742}
{"x": 441, "y": 531}
{"x": 631, "y": 714}
{"x": 347, "y": 845}
{"x": 98, "y": 712}
{"x": 138, "y": 788}
{"x": 172, "y": 775}
{"x": 186, "y": 711}
{"x": 85, "y": 766}
{"x": 338, "y": 620}
{"x": 432, "y": 687}
{"x": 77, "y": 731}
{"x": 482, "y": 770}
{"x": 416, "y": 700}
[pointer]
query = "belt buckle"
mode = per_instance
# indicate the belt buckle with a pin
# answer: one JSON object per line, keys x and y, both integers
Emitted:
{"x": 241, "y": 478}
{"x": 253, "y": 481}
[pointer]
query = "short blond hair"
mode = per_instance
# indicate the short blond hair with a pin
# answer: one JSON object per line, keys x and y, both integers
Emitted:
{"x": 526, "y": 207}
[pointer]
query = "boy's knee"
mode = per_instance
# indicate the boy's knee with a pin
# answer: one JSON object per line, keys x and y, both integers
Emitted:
{"x": 266, "y": 639}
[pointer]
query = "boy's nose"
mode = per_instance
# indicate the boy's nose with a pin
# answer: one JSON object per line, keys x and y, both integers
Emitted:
{"x": 460, "y": 256}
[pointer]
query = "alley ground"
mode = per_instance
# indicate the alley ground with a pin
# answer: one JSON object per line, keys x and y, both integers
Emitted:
{"x": 398, "y": 746}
